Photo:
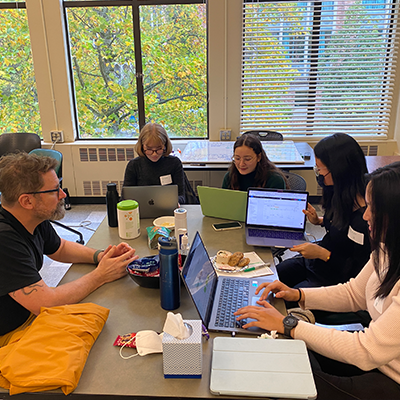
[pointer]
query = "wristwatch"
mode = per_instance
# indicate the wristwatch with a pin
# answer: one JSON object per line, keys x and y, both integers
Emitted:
{"x": 289, "y": 322}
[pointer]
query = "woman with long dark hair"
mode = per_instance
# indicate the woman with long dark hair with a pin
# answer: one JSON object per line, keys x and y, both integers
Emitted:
{"x": 251, "y": 167}
{"x": 352, "y": 365}
{"x": 345, "y": 248}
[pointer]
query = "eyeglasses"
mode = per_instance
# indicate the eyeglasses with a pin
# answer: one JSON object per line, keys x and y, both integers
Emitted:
{"x": 318, "y": 173}
{"x": 150, "y": 152}
{"x": 57, "y": 189}
{"x": 246, "y": 160}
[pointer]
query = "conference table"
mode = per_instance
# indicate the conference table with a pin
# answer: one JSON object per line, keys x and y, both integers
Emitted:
{"x": 134, "y": 308}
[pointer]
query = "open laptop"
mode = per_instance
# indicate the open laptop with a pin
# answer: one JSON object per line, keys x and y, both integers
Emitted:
{"x": 154, "y": 201}
{"x": 206, "y": 289}
{"x": 274, "y": 217}
{"x": 261, "y": 368}
{"x": 222, "y": 203}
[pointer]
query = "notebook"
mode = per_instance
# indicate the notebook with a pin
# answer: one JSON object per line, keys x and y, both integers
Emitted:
{"x": 261, "y": 368}
{"x": 274, "y": 217}
{"x": 207, "y": 291}
{"x": 222, "y": 203}
{"x": 154, "y": 201}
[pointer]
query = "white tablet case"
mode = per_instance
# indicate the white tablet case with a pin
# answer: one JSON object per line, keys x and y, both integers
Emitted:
{"x": 261, "y": 368}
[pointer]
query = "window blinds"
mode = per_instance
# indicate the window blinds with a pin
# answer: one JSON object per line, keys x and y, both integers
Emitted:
{"x": 318, "y": 67}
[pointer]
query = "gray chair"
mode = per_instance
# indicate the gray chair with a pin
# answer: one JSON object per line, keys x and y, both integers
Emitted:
{"x": 295, "y": 182}
{"x": 266, "y": 135}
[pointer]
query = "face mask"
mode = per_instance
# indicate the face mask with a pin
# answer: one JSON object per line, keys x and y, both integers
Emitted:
{"x": 147, "y": 342}
{"x": 327, "y": 189}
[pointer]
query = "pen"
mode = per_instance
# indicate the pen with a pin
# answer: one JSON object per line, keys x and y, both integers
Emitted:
{"x": 256, "y": 267}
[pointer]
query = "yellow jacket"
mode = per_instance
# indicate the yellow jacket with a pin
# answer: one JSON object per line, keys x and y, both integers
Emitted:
{"x": 52, "y": 352}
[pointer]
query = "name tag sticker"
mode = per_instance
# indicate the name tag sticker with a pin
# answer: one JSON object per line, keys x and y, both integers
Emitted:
{"x": 165, "y": 180}
{"x": 356, "y": 236}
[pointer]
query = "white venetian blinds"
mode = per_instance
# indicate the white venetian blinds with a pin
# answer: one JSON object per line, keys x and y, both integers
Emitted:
{"x": 318, "y": 67}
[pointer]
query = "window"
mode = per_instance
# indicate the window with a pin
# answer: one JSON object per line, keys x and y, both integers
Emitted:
{"x": 19, "y": 108}
{"x": 134, "y": 63}
{"x": 318, "y": 67}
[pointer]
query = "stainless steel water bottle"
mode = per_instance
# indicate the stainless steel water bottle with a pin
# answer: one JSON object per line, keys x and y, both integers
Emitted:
{"x": 170, "y": 288}
{"x": 111, "y": 201}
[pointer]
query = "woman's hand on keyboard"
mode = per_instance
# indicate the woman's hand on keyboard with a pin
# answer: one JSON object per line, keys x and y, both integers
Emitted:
{"x": 263, "y": 316}
{"x": 280, "y": 290}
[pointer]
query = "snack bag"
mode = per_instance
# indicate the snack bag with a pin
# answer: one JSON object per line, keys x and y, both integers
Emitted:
{"x": 154, "y": 232}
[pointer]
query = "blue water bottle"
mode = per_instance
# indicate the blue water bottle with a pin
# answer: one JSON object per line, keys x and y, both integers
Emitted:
{"x": 170, "y": 288}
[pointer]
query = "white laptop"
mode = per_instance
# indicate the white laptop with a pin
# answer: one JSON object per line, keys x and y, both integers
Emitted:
{"x": 154, "y": 201}
{"x": 278, "y": 368}
{"x": 274, "y": 217}
{"x": 207, "y": 291}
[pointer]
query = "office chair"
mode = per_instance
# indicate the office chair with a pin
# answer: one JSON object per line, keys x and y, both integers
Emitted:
{"x": 190, "y": 195}
{"x": 59, "y": 157}
{"x": 295, "y": 182}
{"x": 266, "y": 135}
{"x": 18, "y": 141}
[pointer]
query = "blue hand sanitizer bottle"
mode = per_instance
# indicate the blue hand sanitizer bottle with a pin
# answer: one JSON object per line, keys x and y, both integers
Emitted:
{"x": 170, "y": 288}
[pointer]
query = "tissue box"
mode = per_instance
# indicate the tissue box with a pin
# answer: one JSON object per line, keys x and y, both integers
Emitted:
{"x": 183, "y": 358}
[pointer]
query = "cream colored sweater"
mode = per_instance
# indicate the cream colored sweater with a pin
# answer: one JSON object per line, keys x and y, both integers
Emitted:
{"x": 378, "y": 346}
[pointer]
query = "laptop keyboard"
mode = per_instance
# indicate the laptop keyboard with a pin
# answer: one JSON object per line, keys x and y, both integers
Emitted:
{"x": 275, "y": 234}
{"x": 234, "y": 295}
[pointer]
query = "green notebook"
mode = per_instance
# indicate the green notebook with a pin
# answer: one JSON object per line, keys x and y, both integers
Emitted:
{"x": 223, "y": 203}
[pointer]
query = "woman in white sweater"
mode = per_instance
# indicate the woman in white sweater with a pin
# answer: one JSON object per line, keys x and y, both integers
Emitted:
{"x": 349, "y": 365}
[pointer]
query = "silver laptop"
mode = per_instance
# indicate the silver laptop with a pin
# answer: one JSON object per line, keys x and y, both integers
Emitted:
{"x": 274, "y": 217}
{"x": 210, "y": 293}
{"x": 154, "y": 201}
{"x": 261, "y": 368}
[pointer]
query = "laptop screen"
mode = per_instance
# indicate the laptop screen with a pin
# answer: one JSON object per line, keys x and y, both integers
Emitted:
{"x": 276, "y": 208}
{"x": 200, "y": 278}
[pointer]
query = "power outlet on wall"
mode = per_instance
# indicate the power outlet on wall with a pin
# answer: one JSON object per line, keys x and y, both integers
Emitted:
{"x": 225, "y": 134}
{"x": 57, "y": 136}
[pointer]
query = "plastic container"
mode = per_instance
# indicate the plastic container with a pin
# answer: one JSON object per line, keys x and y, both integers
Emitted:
{"x": 170, "y": 290}
{"x": 180, "y": 215}
{"x": 128, "y": 219}
{"x": 112, "y": 201}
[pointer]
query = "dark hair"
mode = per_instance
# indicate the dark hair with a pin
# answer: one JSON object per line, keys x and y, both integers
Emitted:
{"x": 22, "y": 173}
{"x": 384, "y": 196}
{"x": 264, "y": 166}
{"x": 345, "y": 160}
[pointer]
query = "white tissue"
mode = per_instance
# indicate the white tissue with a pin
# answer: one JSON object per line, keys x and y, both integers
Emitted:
{"x": 273, "y": 335}
{"x": 175, "y": 326}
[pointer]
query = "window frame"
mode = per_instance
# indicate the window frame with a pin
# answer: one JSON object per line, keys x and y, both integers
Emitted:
{"x": 135, "y": 4}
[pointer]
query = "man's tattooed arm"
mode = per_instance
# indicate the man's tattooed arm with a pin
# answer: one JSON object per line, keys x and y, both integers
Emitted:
{"x": 27, "y": 290}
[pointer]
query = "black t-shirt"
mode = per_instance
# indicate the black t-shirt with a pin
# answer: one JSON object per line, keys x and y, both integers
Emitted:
{"x": 21, "y": 258}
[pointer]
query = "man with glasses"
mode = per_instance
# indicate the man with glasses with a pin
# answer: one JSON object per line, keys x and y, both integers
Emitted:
{"x": 30, "y": 197}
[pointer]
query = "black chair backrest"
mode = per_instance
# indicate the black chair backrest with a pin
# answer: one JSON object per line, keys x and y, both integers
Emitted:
{"x": 18, "y": 141}
{"x": 295, "y": 182}
{"x": 190, "y": 195}
{"x": 265, "y": 135}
